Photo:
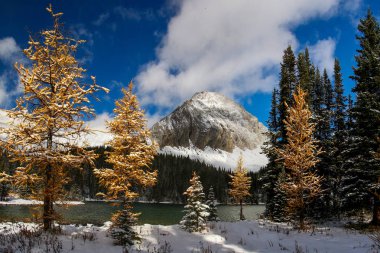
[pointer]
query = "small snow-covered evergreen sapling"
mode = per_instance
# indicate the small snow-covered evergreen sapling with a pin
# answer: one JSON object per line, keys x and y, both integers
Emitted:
{"x": 121, "y": 229}
{"x": 196, "y": 210}
{"x": 213, "y": 215}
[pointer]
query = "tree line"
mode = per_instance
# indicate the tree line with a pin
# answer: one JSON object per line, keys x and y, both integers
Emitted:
{"x": 173, "y": 175}
{"x": 347, "y": 131}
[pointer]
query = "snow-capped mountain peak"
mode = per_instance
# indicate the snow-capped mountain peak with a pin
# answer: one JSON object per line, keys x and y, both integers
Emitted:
{"x": 210, "y": 122}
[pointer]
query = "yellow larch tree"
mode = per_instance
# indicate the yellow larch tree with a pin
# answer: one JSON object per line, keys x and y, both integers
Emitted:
{"x": 240, "y": 185}
{"x": 299, "y": 155}
{"x": 47, "y": 124}
{"x": 132, "y": 152}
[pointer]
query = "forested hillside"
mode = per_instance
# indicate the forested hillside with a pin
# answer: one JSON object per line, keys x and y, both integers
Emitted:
{"x": 174, "y": 173}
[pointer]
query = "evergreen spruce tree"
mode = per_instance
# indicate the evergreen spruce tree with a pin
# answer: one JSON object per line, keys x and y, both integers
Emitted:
{"x": 323, "y": 116}
{"x": 339, "y": 138}
{"x": 304, "y": 69}
{"x": 122, "y": 222}
{"x": 349, "y": 150}
{"x": 213, "y": 213}
{"x": 339, "y": 104}
{"x": 280, "y": 197}
{"x": 317, "y": 103}
{"x": 287, "y": 84}
{"x": 240, "y": 185}
{"x": 318, "y": 110}
{"x": 299, "y": 155}
{"x": 196, "y": 210}
{"x": 273, "y": 168}
{"x": 350, "y": 119}
{"x": 361, "y": 178}
{"x": 277, "y": 133}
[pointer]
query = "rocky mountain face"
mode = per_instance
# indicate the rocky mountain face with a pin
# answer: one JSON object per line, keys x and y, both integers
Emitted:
{"x": 212, "y": 120}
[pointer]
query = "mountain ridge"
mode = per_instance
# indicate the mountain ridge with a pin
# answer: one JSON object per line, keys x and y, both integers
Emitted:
{"x": 212, "y": 128}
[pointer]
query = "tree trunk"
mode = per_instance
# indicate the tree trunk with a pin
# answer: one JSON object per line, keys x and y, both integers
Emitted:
{"x": 48, "y": 201}
{"x": 376, "y": 212}
{"x": 48, "y": 191}
{"x": 241, "y": 210}
{"x": 302, "y": 220}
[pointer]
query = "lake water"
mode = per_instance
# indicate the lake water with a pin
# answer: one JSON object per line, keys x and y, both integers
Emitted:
{"x": 99, "y": 212}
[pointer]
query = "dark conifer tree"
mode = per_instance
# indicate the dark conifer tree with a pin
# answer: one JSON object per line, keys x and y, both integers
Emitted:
{"x": 323, "y": 168}
{"x": 339, "y": 138}
{"x": 361, "y": 178}
{"x": 287, "y": 84}
{"x": 273, "y": 168}
{"x": 321, "y": 96}
{"x": 328, "y": 103}
{"x": 122, "y": 223}
{"x": 339, "y": 105}
{"x": 210, "y": 202}
{"x": 350, "y": 120}
{"x": 304, "y": 69}
{"x": 277, "y": 134}
{"x": 280, "y": 198}
{"x": 316, "y": 101}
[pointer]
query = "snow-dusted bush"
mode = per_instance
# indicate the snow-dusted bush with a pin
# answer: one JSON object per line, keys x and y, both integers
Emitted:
{"x": 21, "y": 238}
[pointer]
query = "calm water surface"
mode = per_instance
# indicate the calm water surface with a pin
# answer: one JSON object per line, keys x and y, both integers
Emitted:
{"x": 99, "y": 212}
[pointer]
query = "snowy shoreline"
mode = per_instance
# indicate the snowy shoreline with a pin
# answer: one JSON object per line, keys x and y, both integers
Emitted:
{"x": 238, "y": 237}
{"x": 20, "y": 201}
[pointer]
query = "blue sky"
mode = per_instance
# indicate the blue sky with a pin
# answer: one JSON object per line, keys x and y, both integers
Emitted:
{"x": 174, "y": 48}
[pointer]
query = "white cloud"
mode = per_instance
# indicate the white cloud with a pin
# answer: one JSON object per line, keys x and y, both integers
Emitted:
{"x": 10, "y": 53}
{"x": 134, "y": 14}
{"x": 100, "y": 135}
{"x": 352, "y": 5}
{"x": 153, "y": 118}
{"x": 219, "y": 46}
{"x": 3, "y": 89}
{"x": 322, "y": 54}
{"x": 101, "y": 19}
{"x": 80, "y": 32}
{"x": 9, "y": 50}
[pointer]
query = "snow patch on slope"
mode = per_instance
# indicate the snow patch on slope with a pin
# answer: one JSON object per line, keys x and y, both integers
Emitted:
{"x": 253, "y": 158}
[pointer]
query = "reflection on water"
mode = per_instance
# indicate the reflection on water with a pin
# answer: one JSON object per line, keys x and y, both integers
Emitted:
{"x": 99, "y": 212}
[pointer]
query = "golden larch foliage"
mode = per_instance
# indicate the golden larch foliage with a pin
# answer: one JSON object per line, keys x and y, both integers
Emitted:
{"x": 240, "y": 185}
{"x": 47, "y": 123}
{"x": 131, "y": 153}
{"x": 299, "y": 155}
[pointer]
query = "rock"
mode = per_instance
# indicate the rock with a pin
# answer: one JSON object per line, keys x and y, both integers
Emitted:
{"x": 210, "y": 119}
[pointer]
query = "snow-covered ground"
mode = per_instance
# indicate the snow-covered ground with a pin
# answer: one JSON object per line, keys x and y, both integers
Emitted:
{"x": 20, "y": 201}
{"x": 253, "y": 159}
{"x": 244, "y": 236}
